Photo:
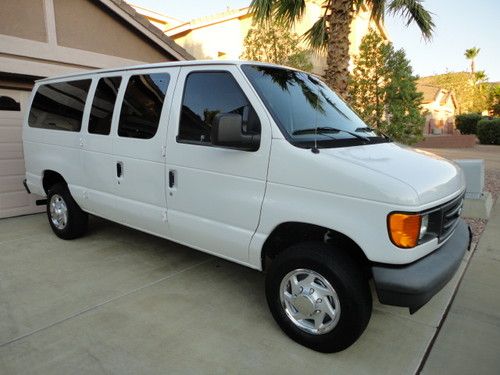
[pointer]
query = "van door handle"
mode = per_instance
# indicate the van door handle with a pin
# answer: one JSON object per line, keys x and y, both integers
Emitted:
{"x": 171, "y": 179}
{"x": 119, "y": 169}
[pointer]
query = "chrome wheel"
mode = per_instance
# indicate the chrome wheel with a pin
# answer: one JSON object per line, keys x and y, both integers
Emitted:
{"x": 58, "y": 211}
{"x": 309, "y": 301}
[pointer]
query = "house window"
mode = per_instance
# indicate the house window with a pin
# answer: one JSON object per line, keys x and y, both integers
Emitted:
{"x": 9, "y": 104}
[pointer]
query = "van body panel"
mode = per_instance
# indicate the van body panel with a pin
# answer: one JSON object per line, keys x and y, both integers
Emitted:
{"x": 429, "y": 175}
{"x": 140, "y": 190}
{"x": 97, "y": 163}
{"x": 218, "y": 192}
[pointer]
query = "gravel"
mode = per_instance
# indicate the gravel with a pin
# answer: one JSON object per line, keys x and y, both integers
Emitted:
{"x": 491, "y": 184}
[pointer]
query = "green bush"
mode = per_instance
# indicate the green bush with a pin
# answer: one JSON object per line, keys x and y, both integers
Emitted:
{"x": 488, "y": 131}
{"x": 467, "y": 123}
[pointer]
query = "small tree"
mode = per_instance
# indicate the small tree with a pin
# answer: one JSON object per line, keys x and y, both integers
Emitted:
{"x": 383, "y": 90}
{"x": 274, "y": 43}
{"x": 405, "y": 120}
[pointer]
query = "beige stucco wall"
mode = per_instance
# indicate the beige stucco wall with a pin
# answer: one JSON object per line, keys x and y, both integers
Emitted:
{"x": 209, "y": 42}
{"x": 23, "y": 19}
{"x": 84, "y": 25}
{"x": 227, "y": 36}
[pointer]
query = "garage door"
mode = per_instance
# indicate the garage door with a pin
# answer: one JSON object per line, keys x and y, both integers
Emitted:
{"x": 13, "y": 198}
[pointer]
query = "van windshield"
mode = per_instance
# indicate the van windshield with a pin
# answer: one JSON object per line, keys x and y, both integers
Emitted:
{"x": 307, "y": 110}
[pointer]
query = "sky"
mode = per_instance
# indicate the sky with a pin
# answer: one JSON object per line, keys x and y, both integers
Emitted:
{"x": 460, "y": 24}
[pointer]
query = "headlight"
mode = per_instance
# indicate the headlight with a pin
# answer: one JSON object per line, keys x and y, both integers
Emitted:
{"x": 424, "y": 225}
{"x": 406, "y": 229}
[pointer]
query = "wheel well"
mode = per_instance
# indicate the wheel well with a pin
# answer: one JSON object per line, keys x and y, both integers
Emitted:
{"x": 291, "y": 233}
{"x": 50, "y": 178}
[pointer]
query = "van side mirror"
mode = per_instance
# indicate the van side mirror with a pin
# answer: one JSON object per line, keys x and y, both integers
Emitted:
{"x": 227, "y": 131}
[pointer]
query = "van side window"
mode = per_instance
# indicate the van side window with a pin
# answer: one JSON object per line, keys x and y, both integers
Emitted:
{"x": 59, "y": 106}
{"x": 103, "y": 105}
{"x": 205, "y": 95}
{"x": 142, "y": 104}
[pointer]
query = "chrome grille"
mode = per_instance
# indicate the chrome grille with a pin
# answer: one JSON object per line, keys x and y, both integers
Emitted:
{"x": 450, "y": 212}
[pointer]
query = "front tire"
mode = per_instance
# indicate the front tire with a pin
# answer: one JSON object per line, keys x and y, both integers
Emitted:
{"x": 319, "y": 296}
{"x": 66, "y": 218}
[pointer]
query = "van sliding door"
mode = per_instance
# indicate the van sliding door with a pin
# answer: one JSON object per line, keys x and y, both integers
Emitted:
{"x": 139, "y": 148}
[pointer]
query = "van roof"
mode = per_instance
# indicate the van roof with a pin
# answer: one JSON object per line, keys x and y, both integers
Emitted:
{"x": 161, "y": 65}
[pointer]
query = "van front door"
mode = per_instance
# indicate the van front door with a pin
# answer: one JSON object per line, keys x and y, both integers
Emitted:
{"x": 139, "y": 148}
{"x": 215, "y": 194}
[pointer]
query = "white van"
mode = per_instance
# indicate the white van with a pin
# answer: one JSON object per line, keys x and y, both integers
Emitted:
{"x": 259, "y": 164}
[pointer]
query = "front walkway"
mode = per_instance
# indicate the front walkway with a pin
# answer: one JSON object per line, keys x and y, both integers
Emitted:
{"x": 469, "y": 340}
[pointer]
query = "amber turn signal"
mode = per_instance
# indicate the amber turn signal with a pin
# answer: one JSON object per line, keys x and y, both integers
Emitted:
{"x": 404, "y": 229}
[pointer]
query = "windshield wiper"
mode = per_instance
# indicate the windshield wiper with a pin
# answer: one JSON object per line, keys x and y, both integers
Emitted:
{"x": 368, "y": 129}
{"x": 329, "y": 129}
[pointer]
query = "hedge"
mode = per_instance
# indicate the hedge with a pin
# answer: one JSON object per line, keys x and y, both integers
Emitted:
{"x": 488, "y": 131}
{"x": 467, "y": 123}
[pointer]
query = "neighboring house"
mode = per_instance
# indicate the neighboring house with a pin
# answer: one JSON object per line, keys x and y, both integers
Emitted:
{"x": 40, "y": 38}
{"x": 439, "y": 107}
{"x": 221, "y": 36}
{"x": 161, "y": 21}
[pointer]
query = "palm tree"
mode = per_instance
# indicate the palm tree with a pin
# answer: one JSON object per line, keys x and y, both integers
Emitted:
{"x": 471, "y": 54}
{"x": 480, "y": 76}
{"x": 330, "y": 32}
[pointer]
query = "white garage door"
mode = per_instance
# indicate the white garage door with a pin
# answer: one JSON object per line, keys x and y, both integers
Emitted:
{"x": 13, "y": 198}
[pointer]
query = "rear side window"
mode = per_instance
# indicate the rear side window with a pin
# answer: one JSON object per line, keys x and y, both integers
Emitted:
{"x": 207, "y": 94}
{"x": 59, "y": 106}
{"x": 142, "y": 104}
{"x": 103, "y": 105}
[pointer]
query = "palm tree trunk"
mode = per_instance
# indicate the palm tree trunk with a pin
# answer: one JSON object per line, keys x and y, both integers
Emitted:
{"x": 337, "y": 60}
{"x": 472, "y": 66}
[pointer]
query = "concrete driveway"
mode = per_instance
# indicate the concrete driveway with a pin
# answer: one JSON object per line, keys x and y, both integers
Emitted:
{"x": 122, "y": 302}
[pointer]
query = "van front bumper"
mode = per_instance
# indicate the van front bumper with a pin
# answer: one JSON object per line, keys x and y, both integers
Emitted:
{"x": 413, "y": 285}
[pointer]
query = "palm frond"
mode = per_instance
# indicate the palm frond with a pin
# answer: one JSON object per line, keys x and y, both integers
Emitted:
{"x": 317, "y": 36}
{"x": 377, "y": 8}
{"x": 413, "y": 11}
{"x": 471, "y": 53}
{"x": 262, "y": 9}
{"x": 289, "y": 11}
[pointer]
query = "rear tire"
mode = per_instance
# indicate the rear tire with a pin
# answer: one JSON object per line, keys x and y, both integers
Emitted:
{"x": 319, "y": 273}
{"x": 66, "y": 218}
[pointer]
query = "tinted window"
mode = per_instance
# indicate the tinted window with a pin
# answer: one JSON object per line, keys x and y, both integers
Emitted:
{"x": 306, "y": 110}
{"x": 205, "y": 95}
{"x": 103, "y": 104}
{"x": 141, "y": 108}
{"x": 59, "y": 106}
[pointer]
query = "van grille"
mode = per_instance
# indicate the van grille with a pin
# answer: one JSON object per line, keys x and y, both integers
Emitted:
{"x": 450, "y": 212}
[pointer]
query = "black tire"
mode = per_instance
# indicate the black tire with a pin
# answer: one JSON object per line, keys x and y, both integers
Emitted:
{"x": 346, "y": 278}
{"x": 77, "y": 220}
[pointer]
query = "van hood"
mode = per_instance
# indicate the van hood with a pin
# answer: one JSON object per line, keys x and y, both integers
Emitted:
{"x": 430, "y": 176}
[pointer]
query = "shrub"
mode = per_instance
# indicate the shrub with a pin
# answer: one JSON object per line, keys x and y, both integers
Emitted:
{"x": 488, "y": 131}
{"x": 467, "y": 123}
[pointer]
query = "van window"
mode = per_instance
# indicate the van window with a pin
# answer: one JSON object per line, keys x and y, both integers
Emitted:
{"x": 59, "y": 106}
{"x": 103, "y": 105}
{"x": 205, "y": 95}
{"x": 142, "y": 104}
